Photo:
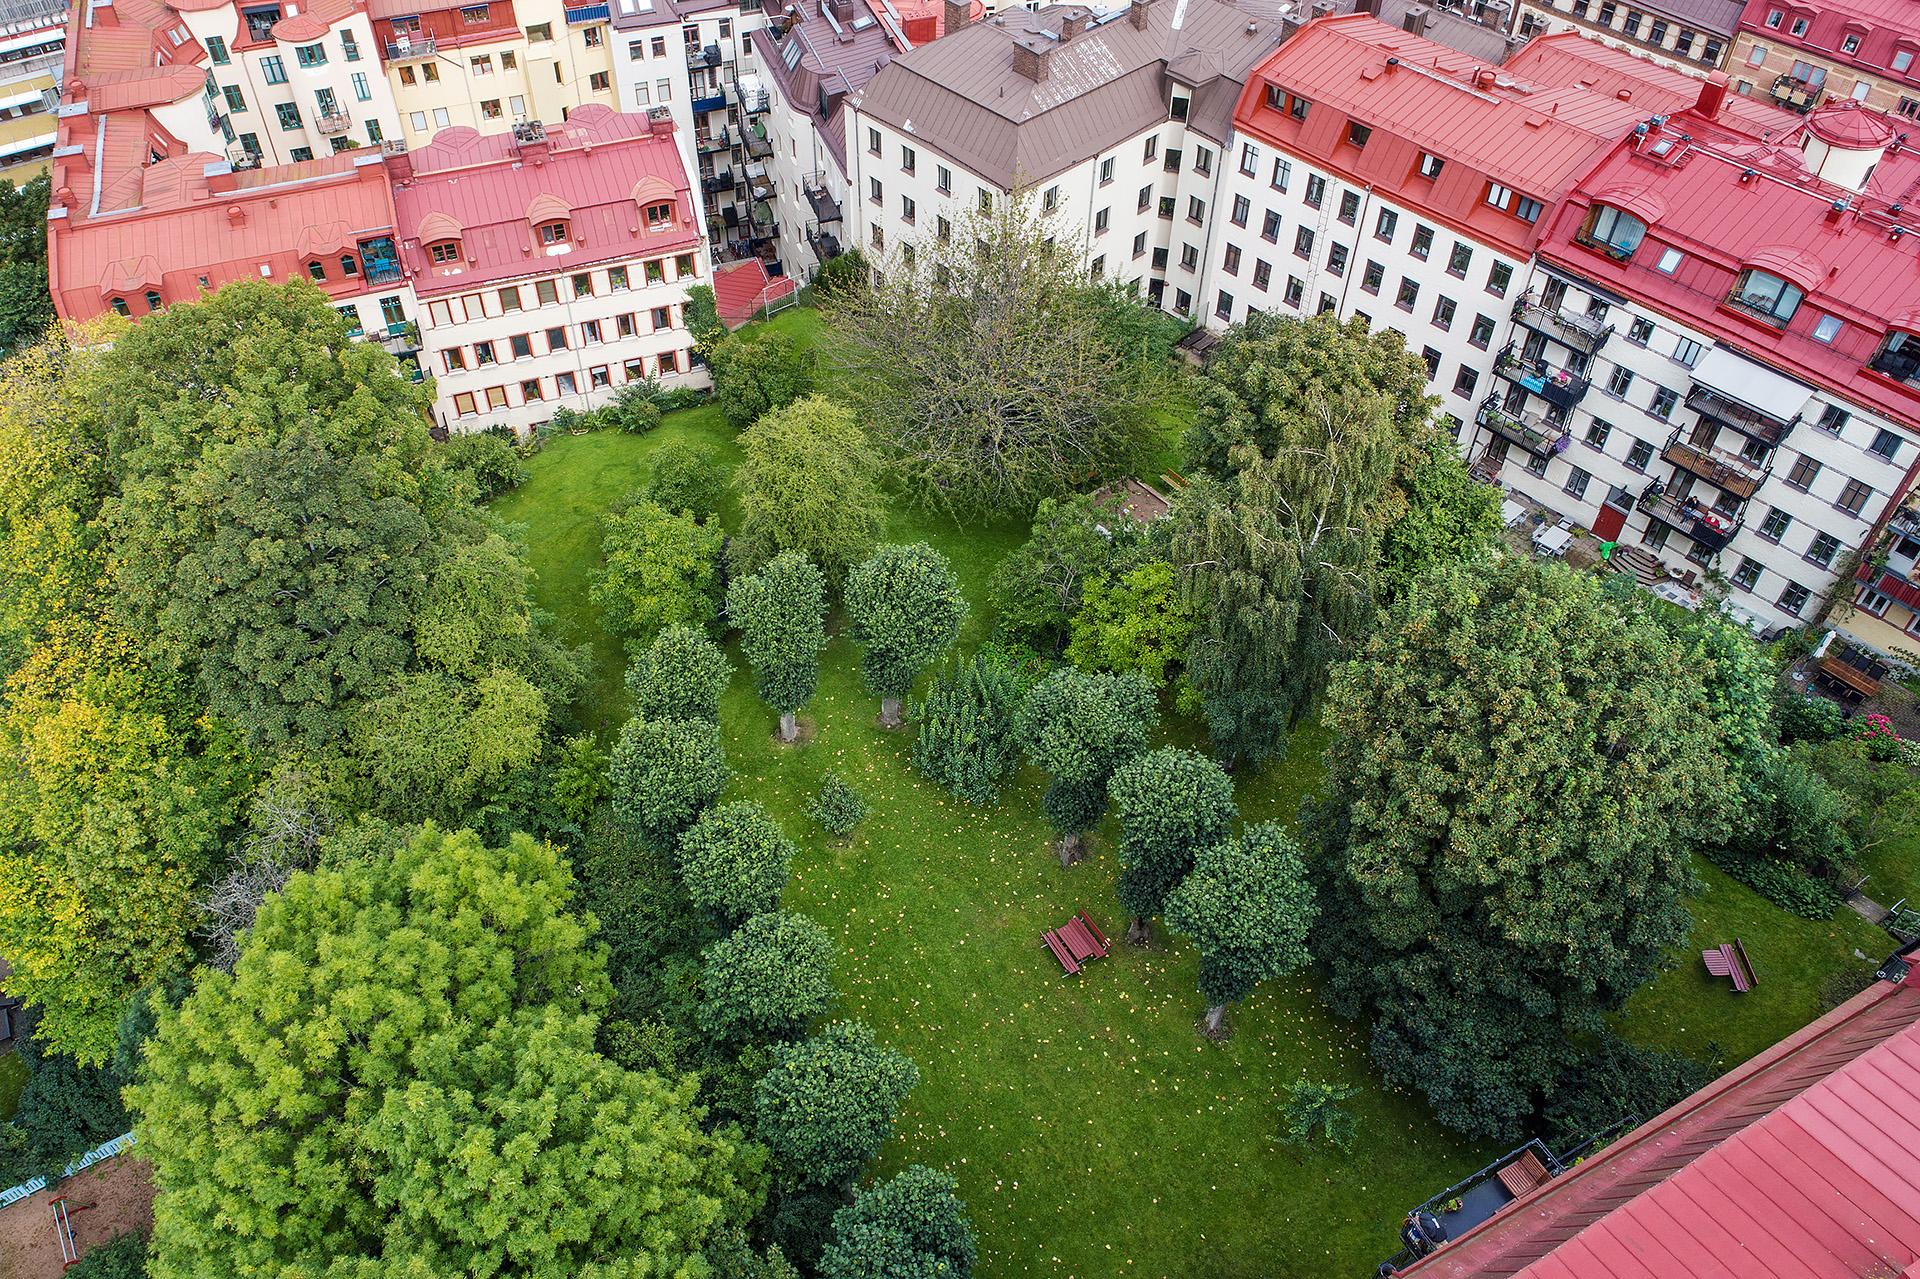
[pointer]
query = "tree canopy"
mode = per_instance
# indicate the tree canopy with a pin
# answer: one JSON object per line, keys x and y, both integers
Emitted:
{"x": 664, "y": 774}
{"x": 734, "y": 861}
{"x": 782, "y": 615}
{"x": 680, "y": 675}
{"x": 1079, "y": 727}
{"x": 768, "y": 978}
{"x": 1518, "y": 780}
{"x": 826, "y": 1104}
{"x": 905, "y": 606}
{"x": 1247, "y": 904}
{"x": 1171, "y": 803}
{"x": 912, "y": 1224}
{"x": 808, "y": 481}
{"x": 753, "y": 374}
{"x": 660, "y": 569}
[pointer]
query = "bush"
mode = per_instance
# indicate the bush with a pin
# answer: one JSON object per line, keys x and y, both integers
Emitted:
{"x": 753, "y": 375}
{"x": 1313, "y": 1114}
{"x": 66, "y": 1109}
{"x": 966, "y": 728}
{"x": 845, "y": 274}
{"x": 681, "y": 675}
{"x": 1782, "y": 883}
{"x": 1615, "y": 1080}
{"x": 767, "y": 979}
{"x": 660, "y": 568}
{"x": 1803, "y": 717}
{"x": 685, "y": 478}
{"x": 734, "y": 862}
{"x": 124, "y": 1258}
{"x": 644, "y": 918}
{"x": 837, "y": 807}
{"x": 665, "y": 773}
{"x": 487, "y": 461}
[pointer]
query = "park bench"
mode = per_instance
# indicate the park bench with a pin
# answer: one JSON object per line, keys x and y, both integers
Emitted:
{"x": 1730, "y": 961}
{"x": 1075, "y": 942}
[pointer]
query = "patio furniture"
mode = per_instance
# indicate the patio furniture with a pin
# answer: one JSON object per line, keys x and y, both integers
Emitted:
{"x": 1730, "y": 961}
{"x": 1524, "y": 1175}
{"x": 1552, "y": 541}
{"x": 1512, "y": 513}
{"x": 1076, "y": 942}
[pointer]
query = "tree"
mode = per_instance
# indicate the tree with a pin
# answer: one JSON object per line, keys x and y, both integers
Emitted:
{"x": 1135, "y": 622}
{"x": 703, "y": 316}
{"x": 808, "y": 481}
{"x": 660, "y": 569}
{"x": 905, "y": 608}
{"x": 123, "y": 1257}
{"x": 430, "y": 744}
{"x": 1617, "y": 1081}
{"x": 399, "y": 1077}
{"x": 1037, "y": 590}
{"x": 734, "y": 862}
{"x": 681, "y": 675}
{"x": 1450, "y": 516}
{"x": 64, "y": 1110}
{"x": 1079, "y": 727}
{"x": 845, "y": 272}
{"x": 826, "y": 1104}
{"x": 782, "y": 615}
{"x": 1247, "y": 905}
{"x": 837, "y": 807}
{"x": 685, "y": 477}
{"x": 768, "y": 978}
{"x": 910, "y": 1225}
{"x": 1015, "y": 387}
{"x": 1172, "y": 803}
{"x": 966, "y": 740}
{"x": 26, "y": 309}
{"x": 757, "y": 373}
{"x": 664, "y": 773}
{"x": 486, "y": 460}
{"x": 1519, "y": 778}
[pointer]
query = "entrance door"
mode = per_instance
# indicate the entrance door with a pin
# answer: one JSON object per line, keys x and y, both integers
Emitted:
{"x": 1608, "y": 523}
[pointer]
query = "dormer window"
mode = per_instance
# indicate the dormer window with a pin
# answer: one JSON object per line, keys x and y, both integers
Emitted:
{"x": 153, "y": 299}
{"x": 552, "y": 233}
{"x": 659, "y": 216}
{"x": 349, "y": 265}
{"x": 1766, "y": 295}
{"x": 317, "y": 270}
{"x": 1358, "y": 134}
{"x": 1898, "y": 357}
{"x": 1430, "y": 165}
{"x": 119, "y": 306}
{"x": 1613, "y": 231}
{"x": 445, "y": 253}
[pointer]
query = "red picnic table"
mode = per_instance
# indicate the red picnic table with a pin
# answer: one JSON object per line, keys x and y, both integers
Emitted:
{"x": 1075, "y": 942}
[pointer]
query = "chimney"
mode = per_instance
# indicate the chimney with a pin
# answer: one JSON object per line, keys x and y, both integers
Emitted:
{"x": 1369, "y": 7}
{"x": 1072, "y": 24}
{"x": 1030, "y": 56}
{"x": 1484, "y": 79}
{"x": 1137, "y": 14}
{"x": 530, "y": 142}
{"x": 959, "y": 13}
{"x": 1414, "y": 20}
{"x": 842, "y": 10}
{"x": 1290, "y": 25}
{"x": 659, "y": 121}
{"x": 1323, "y": 8}
{"x": 1713, "y": 94}
{"x": 399, "y": 163}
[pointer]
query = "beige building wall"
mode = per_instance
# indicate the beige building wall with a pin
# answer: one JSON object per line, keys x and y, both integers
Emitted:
{"x": 1653, "y": 35}
{"x": 1757, "y": 64}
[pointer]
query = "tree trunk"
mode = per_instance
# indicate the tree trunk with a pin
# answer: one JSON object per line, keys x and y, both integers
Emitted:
{"x": 890, "y": 715}
{"x": 1139, "y": 932}
{"x": 1215, "y": 1025}
{"x": 790, "y": 726}
{"x": 1071, "y": 849}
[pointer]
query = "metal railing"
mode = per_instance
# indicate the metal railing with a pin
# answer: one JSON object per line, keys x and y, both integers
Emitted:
{"x": 334, "y": 122}
{"x": 1743, "y": 418}
{"x": 1558, "y": 386}
{"x": 402, "y": 48}
{"x": 1534, "y": 432}
{"x": 1729, "y": 471}
{"x": 1583, "y": 332}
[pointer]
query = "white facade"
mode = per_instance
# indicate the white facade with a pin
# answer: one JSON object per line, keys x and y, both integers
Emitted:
{"x": 801, "y": 164}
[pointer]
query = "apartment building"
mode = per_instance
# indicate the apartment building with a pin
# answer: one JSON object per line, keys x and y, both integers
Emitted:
{"x": 32, "y": 36}
{"x": 551, "y": 263}
{"x": 1800, "y": 55}
{"x": 1688, "y": 35}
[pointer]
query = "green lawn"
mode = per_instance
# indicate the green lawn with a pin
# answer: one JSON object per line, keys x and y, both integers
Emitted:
{"x": 1093, "y": 1131}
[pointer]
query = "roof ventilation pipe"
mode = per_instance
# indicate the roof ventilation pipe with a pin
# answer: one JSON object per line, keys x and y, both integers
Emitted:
{"x": 1713, "y": 95}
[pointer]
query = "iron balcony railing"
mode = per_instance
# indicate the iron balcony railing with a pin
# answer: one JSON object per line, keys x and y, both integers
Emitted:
{"x": 1711, "y": 530}
{"x": 1729, "y": 471}
{"x": 1534, "y": 432}
{"x": 1558, "y": 386}
{"x": 1581, "y": 332}
{"x": 402, "y": 48}
{"x": 1743, "y": 418}
{"x": 333, "y": 122}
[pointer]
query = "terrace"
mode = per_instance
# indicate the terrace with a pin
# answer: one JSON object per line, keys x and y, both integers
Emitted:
{"x": 1737, "y": 475}
{"x": 1556, "y": 384}
{"x": 1710, "y": 530}
{"x": 1534, "y": 432}
{"x": 1581, "y": 332}
{"x": 1743, "y": 418}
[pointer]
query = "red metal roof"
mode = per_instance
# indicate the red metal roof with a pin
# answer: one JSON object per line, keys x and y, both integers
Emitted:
{"x": 740, "y": 289}
{"x": 1796, "y": 1165}
{"x": 1848, "y": 124}
{"x": 591, "y": 167}
{"x": 1570, "y": 58}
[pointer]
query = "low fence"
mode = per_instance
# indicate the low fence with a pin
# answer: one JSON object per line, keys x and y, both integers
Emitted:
{"x": 105, "y": 1150}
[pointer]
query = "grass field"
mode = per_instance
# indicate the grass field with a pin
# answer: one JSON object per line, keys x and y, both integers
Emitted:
{"x": 1093, "y": 1131}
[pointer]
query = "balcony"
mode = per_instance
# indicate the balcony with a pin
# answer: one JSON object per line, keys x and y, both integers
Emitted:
{"x": 699, "y": 59}
{"x": 1726, "y": 471}
{"x": 580, "y": 14}
{"x": 764, "y": 225}
{"x": 1796, "y": 94}
{"x": 1709, "y": 529}
{"x": 408, "y": 47}
{"x": 754, "y": 99}
{"x": 1536, "y": 434}
{"x": 756, "y": 138}
{"x": 1581, "y": 332}
{"x": 712, "y": 100}
{"x": 825, "y": 207}
{"x": 707, "y": 141}
{"x": 825, "y": 243}
{"x": 333, "y": 123}
{"x": 722, "y": 180}
{"x": 1560, "y": 387}
{"x": 1743, "y": 418}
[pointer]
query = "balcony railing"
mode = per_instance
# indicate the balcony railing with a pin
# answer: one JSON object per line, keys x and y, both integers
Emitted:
{"x": 721, "y": 181}
{"x": 578, "y": 14}
{"x": 1538, "y": 435}
{"x": 1796, "y": 94}
{"x": 1729, "y": 471}
{"x": 698, "y": 59}
{"x": 1560, "y": 387}
{"x": 825, "y": 243}
{"x": 385, "y": 273}
{"x": 715, "y": 100}
{"x": 709, "y": 140}
{"x": 825, "y": 207}
{"x": 333, "y": 122}
{"x": 756, "y": 139}
{"x": 1581, "y": 332}
{"x": 402, "y": 48}
{"x": 1743, "y": 418}
{"x": 754, "y": 100}
{"x": 1711, "y": 530}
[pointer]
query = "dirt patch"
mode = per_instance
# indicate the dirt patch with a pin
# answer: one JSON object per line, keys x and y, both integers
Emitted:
{"x": 807, "y": 729}
{"x": 107, "y": 1200}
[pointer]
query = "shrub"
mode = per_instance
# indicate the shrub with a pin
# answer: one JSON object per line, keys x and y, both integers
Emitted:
{"x": 1313, "y": 1114}
{"x": 1803, "y": 717}
{"x": 643, "y": 916}
{"x": 837, "y": 807}
{"x": 1781, "y": 882}
{"x": 754, "y": 374}
{"x": 486, "y": 460}
{"x": 681, "y": 675}
{"x": 685, "y": 478}
{"x": 827, "y": 1104}
{"x": 65, "y": 1110}
{"x": 124, "y": 1258}
{"x": 966, "y": 728}
{"x": 841, "y": 275}
{"x": 665, "y": 772}
{"x": 1615, "y": 1080}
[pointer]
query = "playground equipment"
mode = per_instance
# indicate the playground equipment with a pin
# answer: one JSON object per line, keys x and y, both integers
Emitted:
{"x": 63, "y": 1215}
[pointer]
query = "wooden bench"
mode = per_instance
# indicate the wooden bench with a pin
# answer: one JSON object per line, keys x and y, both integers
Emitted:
{"x": 1524, "y": 1174}
{"x": 1075, "y": 942}
{"x": 1730, "y": 961}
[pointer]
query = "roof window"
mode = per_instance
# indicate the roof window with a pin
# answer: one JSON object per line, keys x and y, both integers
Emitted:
{"x": 1614, "y": 232}
{"x": 1766, "y": 295}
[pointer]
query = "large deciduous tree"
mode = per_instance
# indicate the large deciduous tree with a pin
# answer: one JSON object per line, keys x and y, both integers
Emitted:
{"x": 734, "y": 862}
{"x": 753, "y": 374}
{"x": 1519, "y": 777}
{"x": 768, "y": 978}
{"x": 1171, "y": 803}
{"x": 1016, "y": 386}
{"x": 826, "y": 1105}
{"x": 1247, "y": 905}
{"x": 664, "y": 774}
{"x": 911, "y": 1225}
{"x": 782, "y": 615}
{"x": 1079, "y": 727}
{"x": 26, "y": 310}
{"x": 660, "y": 569}
{"x": 905, "y": 606}
{"x": 399, "y": 1078}
{"x": 808, "y": 481}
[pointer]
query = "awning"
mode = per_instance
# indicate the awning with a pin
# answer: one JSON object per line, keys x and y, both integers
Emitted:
{"x": 1752, "y": 384}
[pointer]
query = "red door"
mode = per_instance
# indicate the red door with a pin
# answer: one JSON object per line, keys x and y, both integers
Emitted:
{"x": 1607, "y": 524}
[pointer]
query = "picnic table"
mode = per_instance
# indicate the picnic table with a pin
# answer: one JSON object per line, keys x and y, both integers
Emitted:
{"x": 1076, "y": 942}
{"x": 1730, "y": 961}
{"x": 1550, "y": 539}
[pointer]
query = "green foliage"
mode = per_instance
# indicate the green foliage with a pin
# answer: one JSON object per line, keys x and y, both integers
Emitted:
{"x": 1613, "y": 1081}
{"x": 65, "y": 1110}
{"x": 681, "y": 675}
{"x": 639, "y": 407}
{"x": 427, "y": 747}
{"x": 755, "y": 374}
{"x": 1037, "y": 590}
{"x": 661, "y": 569}
{"x": 826, "y": 1105}
{"x": 768, "y": 979}
{"x": 905, "y": 608}
{"x": 1803, "y": 717}
{"x": 1079, "y": 727}
{"x": 685, "y": 477}
{"x": 577, "y": 779}
{"x": 487, "y": 462}
{"x": 1450, "y": 517}
{"x": 1882, "y": 796}
{"x": 1247, "y": 905}
{"x": 966, "y": 740}
{"x": 26, "y": 309}
{"x": 1783, "y": 882}
{"x": 846, "y": 273}
{"x": 1136, "y": 622}
{"x": 913, "y": 1224}
{"x": 634, "y": 896}
{"x": 125, "y": 1257}
{"x": 810, "y": 482}
{"x": 664, "y": 773}
{"x": 837, "y": 807}
{"x": 1016, "y": 384}
{"x": 703, "y": 316}
{"x": 1795, "y": 816}
{"x": 734, "y": 862}
{"x": 399, "y": 1076}
{"x": 1171, "y": 803}
{"x": 782, "y": 615}
{"x": 1519, "y": 778}
{"x": 1312, "y": 1115}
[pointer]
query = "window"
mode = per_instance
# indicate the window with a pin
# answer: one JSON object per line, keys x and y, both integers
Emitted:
{"x": 1337, "y": 259}
{"x": 909, "y": 210}
{"x": 1902, "y": 60}
{"x": 440, "y": 118}
{"x": 1827, "y": 329}
{"x": 1528, "y": 209}
{"x": 907, "y": 159}
{"x": 1303, "y": 242}
{"x": 1793, "y": 599}
{"x": 521, "y": 344}
{"x": 1443, "y": 313}
{"x": 1498, "y": 196}
{"x": 1684, "y": 44}
{"x": 456, "y": 359}
{"x": 273, "y": 70}
{"x": 1316, "y": 190}
{"x": 1189, "y": 258}
{"x": 553, "y": 233}
{"x": 1196, "y": 209}
{"x": 1885, "y": 445}
{"x": 1620, "y": 380}
{"x": 317, "y": 269}
{"x": 217, "y": 50}
{"x": 1576, "y": 485}
{"x": 1632, "y": 25}
{"x": 1172, "y": 164}
{"x": 1372, "y": 277}
{"x": 482, "y": 354}
{"x": 1765, "y": 295}
{"x": 300, "y": 153}
{"x": 445, "y": 252}
{"x": 1349, "y": 206}
{"x": 1262, "y": 275}
{"x": 1872, "y": 601}
{"x": 1639, "y": 455}
{"x": 1687, "y": 351}
{"x": 1270, "y": 227}
{"x": 1774, "y": 18}
{"x": 1099, "y": 221}
{"x": 1159, "y": 259}
{"x": 1224, "y": 306}
{"x": 1358, "y": 133}
{"x": 1202, "y": 161}
{"x": 1097, "y": 271}
{"x": 1459, "y": 259}
{"x": 510, "y": 298}
{"x": 1597, "y": 433}
{"x": 1422, "y": 242}
{"x": 1757, "y": 56}
{"x": 1297, "y": 106}
{"x": 1139, "y": 243}
{"x": 557, "y": 338}
{"x": 1283, "y": 171}
{"x": 986, "y": 200}
{"x": 1822, "y": 549}
{"x": 1657, "y": 34}
{"x": 235, "y": 101}
{"x": 361, "y": 91}
{"x": 1106, "y": 170}
{"x": 942, "y": 229}
{"x": 1799, "y": 27}
{"x": 1430, "y": 165}
{"x": 1465, "y": 381}
{"x": 1613, "y": 231}
{"x": 1747, "y": 576}
{"x": 1853, "y": 496}
{"x": 565, "y": 384}
{"x": 1851, "y": 44}
{"x": 1249, "y": 159}
{"x": 1775, "y": 526}
{"x": 463, "y": 404}
{"x": 1801, "y": 477}
{"x": 1166, "y": 207}
{"x": 1640, "y": 332}
{"x": 599, "y": 81}
{"x": 1408, "y": 294}
{"x": 545, "y": 292}
{"x": 1295, "y": 291}
{"x": 1145, "y": 198}
{"x": 1230, "y": 261}
{"x": 530, "y": 390}
{"x": 1242, "y": 209}
{"x": 1499, "y": 279}
{"x": 311, "y": 55}
{"x": 1664, "y": 400}
{"x": 1481, "y": 335}
{"x": 1385, "y": 225}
